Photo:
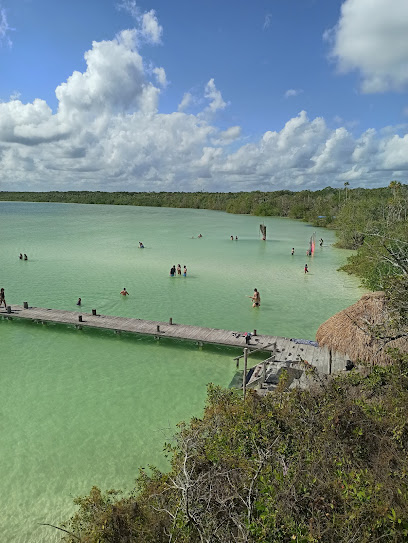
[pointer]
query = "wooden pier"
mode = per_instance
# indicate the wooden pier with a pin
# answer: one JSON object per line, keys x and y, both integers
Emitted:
{"x": 283, "y": 348}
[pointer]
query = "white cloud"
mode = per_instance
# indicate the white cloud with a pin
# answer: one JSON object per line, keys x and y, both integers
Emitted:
{"x": 148, "y": 27}
{"x": 293, "y": 92}
{"x": 186, "y": 101}
{"x": 5, "y": 29}
{"x": 108, "y": 134}
{"x": 371, "y": 37}
{"x": 215, "y": 97}
{"x": 267, "y": 21}
{"x": 227, "y": 136}
{"x": 151, "y": 30}
{"x": 160, "y": 76}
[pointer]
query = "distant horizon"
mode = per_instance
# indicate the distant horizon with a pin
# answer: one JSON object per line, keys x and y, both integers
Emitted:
{"x": 349, "y": 188}
{"x": 151, "y": 95}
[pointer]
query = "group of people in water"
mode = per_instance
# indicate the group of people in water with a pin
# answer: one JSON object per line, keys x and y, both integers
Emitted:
{"x": 177, "y": 271}
{"x": 23, "y": 258}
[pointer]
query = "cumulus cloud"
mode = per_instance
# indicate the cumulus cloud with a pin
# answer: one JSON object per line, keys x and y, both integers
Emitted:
{"x": 186, "y": 101}
{"x": 214, "y": 96}
{"x": 293, "y": 92}
{"x": 371, "y": 38}
{"x": 108, "y": 134}
{"x": 148, "y": 27}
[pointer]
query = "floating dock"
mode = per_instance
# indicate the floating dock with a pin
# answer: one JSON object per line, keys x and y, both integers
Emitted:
{"x": 284, "y": 349}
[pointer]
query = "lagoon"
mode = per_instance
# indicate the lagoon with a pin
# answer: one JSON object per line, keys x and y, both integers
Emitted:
{"x": 86, "y": 407}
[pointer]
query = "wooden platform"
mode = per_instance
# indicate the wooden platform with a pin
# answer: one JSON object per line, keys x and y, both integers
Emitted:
{"x": 283, "y": 348}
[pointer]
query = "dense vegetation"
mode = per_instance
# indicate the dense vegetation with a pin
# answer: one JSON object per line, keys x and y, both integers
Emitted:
{"x": 306, "y": 205}
{"x": 328, "y": 464}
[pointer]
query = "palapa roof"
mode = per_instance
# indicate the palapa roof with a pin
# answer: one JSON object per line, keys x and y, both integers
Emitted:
{"x": 348, "y": 331}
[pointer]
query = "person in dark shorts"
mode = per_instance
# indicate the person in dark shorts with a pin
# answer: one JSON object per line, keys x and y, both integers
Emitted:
{"x": 2, "y": 297}
{"x": 256, "y": 298}
{"x": 306, "y": 269}
{"x": 79, "y": 301}
{"x": 185, "y": 271}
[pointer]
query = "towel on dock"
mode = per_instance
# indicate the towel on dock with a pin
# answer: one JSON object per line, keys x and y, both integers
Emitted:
{"x": 305, "y": 342}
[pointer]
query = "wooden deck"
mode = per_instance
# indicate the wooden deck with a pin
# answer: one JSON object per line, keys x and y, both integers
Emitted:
{"x": 283, "y": 348}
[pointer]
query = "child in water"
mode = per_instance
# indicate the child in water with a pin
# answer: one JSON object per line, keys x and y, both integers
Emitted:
{"x": 306, "y": 269}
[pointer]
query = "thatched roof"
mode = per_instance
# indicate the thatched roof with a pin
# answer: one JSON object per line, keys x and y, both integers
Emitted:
{"x": 348, "y": 332}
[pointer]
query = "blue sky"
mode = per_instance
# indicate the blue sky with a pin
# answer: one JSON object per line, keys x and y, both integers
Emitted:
{"x": 202, "y": 95}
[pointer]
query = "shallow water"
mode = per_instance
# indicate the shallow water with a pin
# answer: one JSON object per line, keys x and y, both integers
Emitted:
{"x": 85, "y": 407}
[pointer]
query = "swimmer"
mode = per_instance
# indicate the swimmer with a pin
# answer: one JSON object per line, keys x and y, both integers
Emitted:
{"x": 232, "y": 238}
{"x": 293, "y": 251}
{"x": 79, "y": 301}
{"x": 25, "y": 257}
{"x": 256, "y": 298}
{"x": 141, "y": 246}
{"x": 321, "y": 242}
{"x": 124, "y": 292}
{"x": 236, "y": 238}
{"x": 185, "y": 271}
{"x": 200, "y": 235}
{"x": 306, "y": 269}
{"x": 2, "y": 298}
{"x": 20, "y": 257}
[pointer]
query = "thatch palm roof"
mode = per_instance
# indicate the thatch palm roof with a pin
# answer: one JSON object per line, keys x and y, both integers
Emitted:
{"x": 352, "y": 331}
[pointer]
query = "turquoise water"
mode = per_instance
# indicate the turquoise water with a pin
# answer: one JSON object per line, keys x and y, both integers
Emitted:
{"x": 85, "y": 407}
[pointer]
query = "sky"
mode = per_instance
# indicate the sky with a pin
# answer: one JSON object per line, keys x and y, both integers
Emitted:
{"x": 202, "y": 95}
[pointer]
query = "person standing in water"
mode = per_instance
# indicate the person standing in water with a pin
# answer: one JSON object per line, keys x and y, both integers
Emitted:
{"x": 306, "y": 269}
{"x": 141, "y": 246}
{"x": 256, "y": 298}
{"x": 25, "y": 257}
{"x": 20, "y": 257}
{"x": 124, "y": 292}
{"x": 185, "y": 271}
{"x": 2, "y": 297}
{"x": 178, "y": 269}
{"x": 293, "y": 251}
{"x": 79, "y": 301}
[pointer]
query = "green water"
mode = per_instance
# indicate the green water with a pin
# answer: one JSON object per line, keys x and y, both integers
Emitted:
{"x": 84, "y": 407}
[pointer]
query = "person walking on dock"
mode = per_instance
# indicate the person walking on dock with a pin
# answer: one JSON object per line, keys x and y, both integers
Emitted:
{"x": 2, "y": 298}
{"x": 124, "y": 292}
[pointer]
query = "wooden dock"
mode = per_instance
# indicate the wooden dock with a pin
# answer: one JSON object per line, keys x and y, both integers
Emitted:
{"x": 283, "y": 348}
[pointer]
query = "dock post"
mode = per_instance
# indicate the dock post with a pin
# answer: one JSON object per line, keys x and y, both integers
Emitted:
{"x": 80, "y": 318}
{"x": 245, "y": 372}
{"x": 25, "y": 305}
{"x": 158, "y": 328}
{"x": 93, "y": 311}
{"x": 171, "y": 320}
{"x": 254, "y": 334}
{"x": 8, "y": 309}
